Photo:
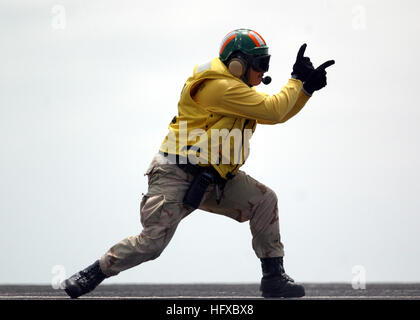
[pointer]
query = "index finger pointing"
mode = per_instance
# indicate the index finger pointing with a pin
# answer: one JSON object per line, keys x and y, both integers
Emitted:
{"x": 301, "y": 51}
{"x": 326, "y": 64}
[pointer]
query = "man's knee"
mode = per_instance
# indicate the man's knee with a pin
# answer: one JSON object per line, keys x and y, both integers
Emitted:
{"x": 153, "y": 246}
{"x": 270, "y": 197}
{"x": 156, "y": 249}
{"x": 266, "y": 212}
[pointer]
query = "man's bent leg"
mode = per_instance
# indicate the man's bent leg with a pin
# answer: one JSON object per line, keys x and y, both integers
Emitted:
{"x": 161, "y": 210}
{"x": 160, "y": 223}
{"x": 245, "y": 199}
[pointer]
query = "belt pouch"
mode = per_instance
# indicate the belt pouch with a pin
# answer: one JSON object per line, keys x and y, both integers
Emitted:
{"x": 197, "y": 188}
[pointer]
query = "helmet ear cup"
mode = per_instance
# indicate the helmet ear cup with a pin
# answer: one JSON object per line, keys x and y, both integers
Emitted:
{"x": 237, "y": 67}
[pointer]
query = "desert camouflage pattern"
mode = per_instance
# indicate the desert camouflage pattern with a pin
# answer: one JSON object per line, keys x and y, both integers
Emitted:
{"x": 162, "y": 209}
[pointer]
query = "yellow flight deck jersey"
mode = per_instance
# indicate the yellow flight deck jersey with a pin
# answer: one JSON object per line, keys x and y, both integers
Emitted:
{"x": 217, "y": 114}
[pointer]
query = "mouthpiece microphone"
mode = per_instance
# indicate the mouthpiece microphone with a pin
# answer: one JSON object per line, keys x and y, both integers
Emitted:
{"x": 266, "y": 80}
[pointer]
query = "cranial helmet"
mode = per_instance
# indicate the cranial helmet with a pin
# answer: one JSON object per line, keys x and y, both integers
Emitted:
{"x": 244, "y": 48}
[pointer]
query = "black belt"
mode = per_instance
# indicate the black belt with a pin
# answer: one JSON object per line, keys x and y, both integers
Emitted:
{"x": 194, "y": 169}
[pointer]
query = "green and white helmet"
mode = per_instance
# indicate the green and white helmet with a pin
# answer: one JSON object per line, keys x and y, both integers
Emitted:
{"x": 244, "y": 40}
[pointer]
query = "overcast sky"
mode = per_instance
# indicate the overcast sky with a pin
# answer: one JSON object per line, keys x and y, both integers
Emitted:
{"x": 88, "y": 88}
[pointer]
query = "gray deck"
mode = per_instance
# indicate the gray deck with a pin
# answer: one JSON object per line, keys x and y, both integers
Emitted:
{"x": 314, "y": 291}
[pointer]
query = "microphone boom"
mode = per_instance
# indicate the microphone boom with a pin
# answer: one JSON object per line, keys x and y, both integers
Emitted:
{"x": 266, "y": 80}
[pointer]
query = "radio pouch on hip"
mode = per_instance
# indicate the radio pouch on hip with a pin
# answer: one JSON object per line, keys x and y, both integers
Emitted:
{"x": 197, "y": 188}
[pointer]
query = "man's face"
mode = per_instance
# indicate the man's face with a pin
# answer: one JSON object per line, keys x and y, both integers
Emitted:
{"x": 255, "y": 77}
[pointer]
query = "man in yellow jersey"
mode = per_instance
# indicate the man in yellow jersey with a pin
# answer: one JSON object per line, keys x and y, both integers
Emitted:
{"x": 198, "y": 163}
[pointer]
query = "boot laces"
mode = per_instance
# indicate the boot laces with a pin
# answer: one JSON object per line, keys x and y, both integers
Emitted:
{"x": 89, "y": 277}
{"x": 287, "y": 277}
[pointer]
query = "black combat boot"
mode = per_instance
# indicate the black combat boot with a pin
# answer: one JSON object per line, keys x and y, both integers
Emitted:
{"x": 276, "y": 283}
{"x": 84, "y": 281}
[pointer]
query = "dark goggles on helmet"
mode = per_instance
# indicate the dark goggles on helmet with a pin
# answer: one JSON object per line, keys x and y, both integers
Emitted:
{"x": 261, "y": 63}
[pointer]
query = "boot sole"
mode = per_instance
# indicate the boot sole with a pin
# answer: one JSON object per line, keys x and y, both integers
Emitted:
{"x": 295, "y": 294}
{"x": 274, "y": 289}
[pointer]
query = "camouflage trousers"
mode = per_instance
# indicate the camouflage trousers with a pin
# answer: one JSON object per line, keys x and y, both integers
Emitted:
{"x": 162, "y": 209}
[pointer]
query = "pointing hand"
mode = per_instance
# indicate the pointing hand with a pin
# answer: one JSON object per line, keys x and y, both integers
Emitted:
{"x": 318, "y": 78}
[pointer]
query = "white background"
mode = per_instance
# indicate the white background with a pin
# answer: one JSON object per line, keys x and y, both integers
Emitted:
{"x": 88, "y": 88}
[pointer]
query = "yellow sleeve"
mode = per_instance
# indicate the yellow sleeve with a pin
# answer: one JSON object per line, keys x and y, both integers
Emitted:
{"x": 300, "y": 103}
{"x": 234, "y": 98}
